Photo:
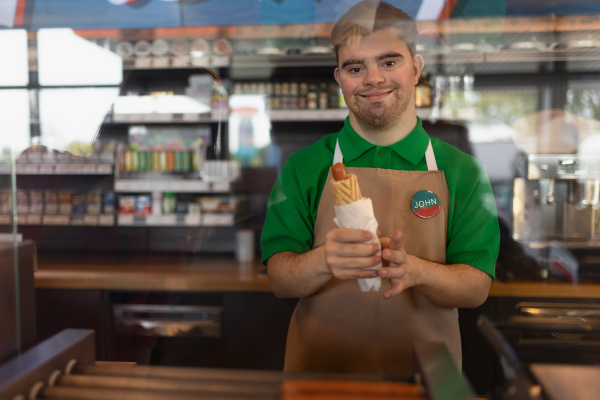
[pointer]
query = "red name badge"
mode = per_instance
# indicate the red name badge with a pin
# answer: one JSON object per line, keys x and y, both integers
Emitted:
{"x": 425, "y": 204}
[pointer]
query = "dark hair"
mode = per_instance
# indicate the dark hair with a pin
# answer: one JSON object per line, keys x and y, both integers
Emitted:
{"x": 369, "y": 16}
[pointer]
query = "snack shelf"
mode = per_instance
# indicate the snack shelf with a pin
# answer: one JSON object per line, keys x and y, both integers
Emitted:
{"x": 214, "y": 61}
{"x": 60, "y": 169}
{"x": 330, "y": 114}
{"x": 60, "y": 219}
{"x": 175, "y": 220}
{"x": 191, "y": 118}
{"x": 173, "y": 185}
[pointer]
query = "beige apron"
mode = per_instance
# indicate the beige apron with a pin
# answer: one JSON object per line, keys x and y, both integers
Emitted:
{"x": 341, "y": 329}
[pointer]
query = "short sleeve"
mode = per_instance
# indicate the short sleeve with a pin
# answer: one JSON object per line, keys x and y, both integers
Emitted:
{"x": 473, "y": 231}
{"x": 289, "y": 223}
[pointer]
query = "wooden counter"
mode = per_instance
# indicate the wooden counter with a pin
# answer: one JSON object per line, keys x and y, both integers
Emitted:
{"x": 151, "y": 272}
{"x": 219, "y": 274}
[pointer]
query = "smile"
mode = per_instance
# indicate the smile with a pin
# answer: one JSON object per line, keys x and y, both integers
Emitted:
{"x": 375, "y": 95}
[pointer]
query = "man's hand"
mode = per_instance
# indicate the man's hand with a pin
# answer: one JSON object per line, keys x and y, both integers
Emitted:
{"x": 397, "y": 265}
{"x": 347, "y": 255}
{"x": 447, "y": 285}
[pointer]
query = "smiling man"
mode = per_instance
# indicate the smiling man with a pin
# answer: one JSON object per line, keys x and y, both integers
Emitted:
{"x": 435, "y": 258}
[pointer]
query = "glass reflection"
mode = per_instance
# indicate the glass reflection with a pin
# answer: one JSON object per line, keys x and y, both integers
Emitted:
{"x": 14, "y": 69}
{"x": 70, "y": 118}
{"x": 70, "y": 60}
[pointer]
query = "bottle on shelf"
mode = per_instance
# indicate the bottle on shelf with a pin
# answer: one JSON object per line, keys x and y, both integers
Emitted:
{"x": 312, "y": 97}
{"x": 323, "y": 96}
{"x": 302, "y": 93}
{"x": 285, "y": 95}
{"x": 293, "y": 101}
{"x": 423, "y": 91}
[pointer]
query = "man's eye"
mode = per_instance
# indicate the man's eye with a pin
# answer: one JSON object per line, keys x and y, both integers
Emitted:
{"x": 354, "y": 70}
{"x": 390, "y": 63}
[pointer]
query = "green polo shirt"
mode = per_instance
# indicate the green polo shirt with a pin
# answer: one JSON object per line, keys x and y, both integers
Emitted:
{"x": 473, "y": 233}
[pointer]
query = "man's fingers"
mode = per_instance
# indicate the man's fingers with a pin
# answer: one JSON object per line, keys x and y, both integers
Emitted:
{"x": 344, "y": 273}
{"x": 393, "y": 256}
{"x": 396, "y": 241}
{"x": 344, "y": 235}
{"x": 396, "y": 289}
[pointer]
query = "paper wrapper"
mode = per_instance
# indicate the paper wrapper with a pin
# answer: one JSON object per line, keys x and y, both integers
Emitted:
{"x": 359, "y": 215}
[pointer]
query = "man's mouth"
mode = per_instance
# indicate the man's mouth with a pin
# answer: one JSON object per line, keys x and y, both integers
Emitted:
{"x": 375, "y": 94}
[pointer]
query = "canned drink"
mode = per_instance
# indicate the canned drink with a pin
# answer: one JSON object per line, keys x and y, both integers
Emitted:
{"x": 178, "y": 159}
{"x": 36, "y": 202}
{"x": 186, "y": 161}
{"x": 170, "y": 161}
{"x": 142, "y": 161}
{"x": 163, "y": 161}
{"x": 78, "y": 203}
{"x": 64, "y": 202}
{"x": 108, "y": 202}
{"x": 155, "y": 161}
{"x": 93, "y": 202}
{"x": 6, "y": 203}
{"x": 135, "y": 161}
{"x": 22, "y": 201}
{"x": 50, "y": 202}
{"x": 127, "y": 159}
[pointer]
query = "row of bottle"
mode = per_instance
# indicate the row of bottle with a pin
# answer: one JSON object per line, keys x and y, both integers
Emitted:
{"x": 31, "y": 201}
{"x": 431, "y": 92}
{"x": 294, "y": 95}
{"x": 172, "y": 161}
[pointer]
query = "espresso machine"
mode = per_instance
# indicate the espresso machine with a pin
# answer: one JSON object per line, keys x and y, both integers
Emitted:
{"x": 556, "y": 213}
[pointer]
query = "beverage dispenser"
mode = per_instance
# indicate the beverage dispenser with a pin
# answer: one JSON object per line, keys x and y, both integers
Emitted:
{"x": 559, "y": 199}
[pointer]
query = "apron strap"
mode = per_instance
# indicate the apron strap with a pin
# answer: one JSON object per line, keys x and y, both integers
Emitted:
{"x": 429, "y": 156}
{"x": 337, "y": 156}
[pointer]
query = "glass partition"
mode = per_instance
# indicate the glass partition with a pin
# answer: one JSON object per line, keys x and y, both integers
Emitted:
{"x": 140, "y": 142}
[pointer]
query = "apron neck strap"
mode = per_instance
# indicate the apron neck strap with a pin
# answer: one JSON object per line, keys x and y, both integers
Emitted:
{"x": 429, "y": 156}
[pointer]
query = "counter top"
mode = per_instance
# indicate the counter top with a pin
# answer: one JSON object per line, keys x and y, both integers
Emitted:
{"x": 151, "y": 272}
{"x": 219, "y": 274}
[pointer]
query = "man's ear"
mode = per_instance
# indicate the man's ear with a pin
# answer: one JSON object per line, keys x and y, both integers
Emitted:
{"x": 336, "y": 75}
{"x": 419, "y": 64}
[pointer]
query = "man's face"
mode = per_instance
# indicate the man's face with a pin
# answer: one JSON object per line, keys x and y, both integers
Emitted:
{"x": 378, "y": 78}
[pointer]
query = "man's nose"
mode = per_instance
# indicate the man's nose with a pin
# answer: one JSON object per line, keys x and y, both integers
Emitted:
{"x": 374, "y": 76}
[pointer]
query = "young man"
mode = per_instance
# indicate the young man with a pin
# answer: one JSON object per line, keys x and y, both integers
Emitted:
{"x": 432, "y": 264}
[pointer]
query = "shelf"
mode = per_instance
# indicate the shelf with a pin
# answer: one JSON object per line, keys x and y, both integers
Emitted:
{"x": 173, "y": 185}
{"x": 294, "y": 60}
{"x": 573, "y": 244}
{"x": 333, "y": 114}
{"x": 142, "y": 63}
{"x": 60, "y": 169}
{"x": 176, "y": 220}
{"x": 330, "y": 114}
{"x": 445, "y": 56}
{"x": 166, "y": 118}
{"x": 60, "y": 219}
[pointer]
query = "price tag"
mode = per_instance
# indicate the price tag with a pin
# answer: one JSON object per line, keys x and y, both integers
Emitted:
{"x": 139, "y": 220}
{"x": 30, "y": 169}
{"x": 34, "y": 219}
{"x": 106, "y": 220}
{"x": 160, "y": 62}
{"x": 193, "y": 220}
{"x": 220, "y": 61}
{"x": 191, "y": 117}
{"x": 144, "y": 62}
{"x": 46, "y": 169}
{"x": 104, "y": 168}
{"x": 125, "y": 219}
{"x": 90, "y": 220}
